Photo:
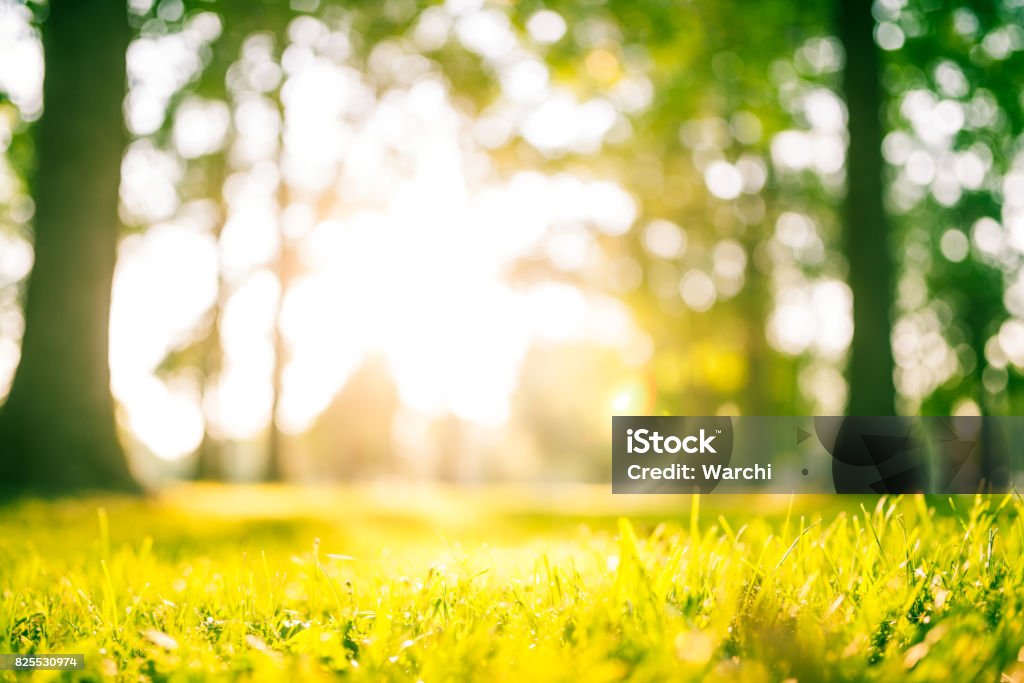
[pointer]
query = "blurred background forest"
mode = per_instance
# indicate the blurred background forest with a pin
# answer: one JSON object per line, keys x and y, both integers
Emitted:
{"x": 450, "y": 240}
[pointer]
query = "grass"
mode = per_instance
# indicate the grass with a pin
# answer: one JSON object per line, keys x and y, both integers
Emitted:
{"x": 433, "y": 585}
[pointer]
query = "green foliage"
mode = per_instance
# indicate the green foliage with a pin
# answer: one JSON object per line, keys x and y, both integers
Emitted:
{"x": 327, "y": 584}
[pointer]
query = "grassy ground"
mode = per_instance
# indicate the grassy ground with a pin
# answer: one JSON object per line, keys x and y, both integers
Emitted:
{"x": 410, "y": 584}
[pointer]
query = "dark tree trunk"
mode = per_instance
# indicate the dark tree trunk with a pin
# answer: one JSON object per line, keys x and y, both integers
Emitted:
{"x": 276, "y": 442}
{"x": 210, "y": 464}
{"x": 58, "y": 431}
{"x": 209, "y": 461}
{"x": 274, "y": 471}
{"x": 866, "y": 231}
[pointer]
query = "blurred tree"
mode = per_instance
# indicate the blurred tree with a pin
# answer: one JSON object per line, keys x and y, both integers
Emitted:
{"x": 285, "y": 269}
{"x": 58, "y": 430}
{"x": 352, "y": 438}
{"x": 866, "y": 232}
{"x": 563, "y": 401}
{"x": 210, "y": 458}
{"x": 209, "y": 173}
{"x": 245, "y": 23}
{"x": 713, "y": 99}
{"x": 952, "y": 190}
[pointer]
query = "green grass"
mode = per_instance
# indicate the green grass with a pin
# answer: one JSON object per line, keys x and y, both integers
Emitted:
{"x": 436, "y": 585}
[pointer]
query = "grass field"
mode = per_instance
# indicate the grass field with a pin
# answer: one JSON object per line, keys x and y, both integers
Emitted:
{"x": 434, "y": 585}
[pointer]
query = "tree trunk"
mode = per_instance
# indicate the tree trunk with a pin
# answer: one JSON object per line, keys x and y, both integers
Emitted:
{"x": 209, "y": 460}
{"x": 210, "y": 464}
{"x": 275, "y": 467}
{"x": 58, "y": 432}
{"x": 866, "y": 231}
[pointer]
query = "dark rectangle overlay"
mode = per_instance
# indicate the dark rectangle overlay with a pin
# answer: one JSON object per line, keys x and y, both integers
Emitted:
{"x": 42, "y": 662}
{"x": 823, "y": 454}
